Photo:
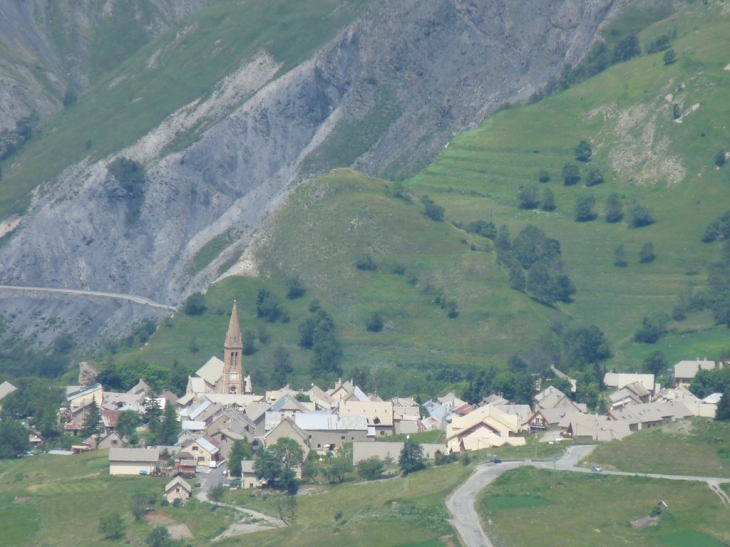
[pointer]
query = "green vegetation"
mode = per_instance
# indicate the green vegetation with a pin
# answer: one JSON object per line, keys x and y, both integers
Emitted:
{"x": 528, "y": 506}
{"x": 698, "y": 447}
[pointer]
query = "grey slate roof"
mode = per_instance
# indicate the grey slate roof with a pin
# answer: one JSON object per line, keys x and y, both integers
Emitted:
{"x": 134, "y": 455}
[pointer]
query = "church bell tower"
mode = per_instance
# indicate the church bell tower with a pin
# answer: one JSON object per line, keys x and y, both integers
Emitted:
{"x": 232, "y": 381}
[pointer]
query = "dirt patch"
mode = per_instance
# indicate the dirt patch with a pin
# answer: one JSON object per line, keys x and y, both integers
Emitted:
{"x": 180, "y": 531}
{"x": 448, "y": 540}
{"x": 158, "y": 517}
{"x": 646, "y": 522}
{"x": 21, "y": 500}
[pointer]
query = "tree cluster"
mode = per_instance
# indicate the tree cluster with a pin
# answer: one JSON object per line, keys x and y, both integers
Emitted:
{"x": 539, "y": 255}
{"x": 718, "y": 228}
{"x": 432, "y": 210}
{"x": 277, "y": 464}
{"x": 12, "y": 140}
{"x": 269, "y": 308}
{"x": 319, "y": 333}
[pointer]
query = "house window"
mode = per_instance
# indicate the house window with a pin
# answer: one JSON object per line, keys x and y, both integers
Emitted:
{"x": 195, "y": 448}
{"x": 382, "y": 432}
{"x": 343, "y": 437}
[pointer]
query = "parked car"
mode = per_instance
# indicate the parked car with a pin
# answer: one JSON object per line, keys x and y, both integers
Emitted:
{"x": 496, "y": 460}
{"x": 596, "y": 468}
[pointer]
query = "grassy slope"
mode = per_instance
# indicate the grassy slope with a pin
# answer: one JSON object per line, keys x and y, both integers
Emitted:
{"x": 671, "y": 449}
{"x": 363, "y": 217}
{"x": 196, "y": 54}
{"x": 508, "y": 150}
{"x": 63, "y": 491}
{"x": 68, "y": 492}
{"x": 544, "y": 508}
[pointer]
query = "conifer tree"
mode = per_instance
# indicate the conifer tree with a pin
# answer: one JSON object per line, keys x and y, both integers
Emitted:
{"x": 92, "y": 421}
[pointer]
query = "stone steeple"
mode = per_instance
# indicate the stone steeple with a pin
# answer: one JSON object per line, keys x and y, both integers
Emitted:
{"x": 232, "y": 380}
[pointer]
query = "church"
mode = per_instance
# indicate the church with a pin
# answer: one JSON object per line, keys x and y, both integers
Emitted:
{"x": 223, "y": 377}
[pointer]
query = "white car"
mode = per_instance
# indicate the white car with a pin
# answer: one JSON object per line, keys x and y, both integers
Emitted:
{"x": 596, "y": 468}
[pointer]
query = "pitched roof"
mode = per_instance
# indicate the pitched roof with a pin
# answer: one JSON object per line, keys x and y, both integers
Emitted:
{"x": 288, "y": 422}
{"x": 211, "y": 371}
{"x": 178, "y": 481}
{"x": 6, "y": 388}
{"x": 377, "y": 413}
{"x": 688, "y": 369}
{"x": 210, "y": 444}
{"x": 83, "y": 391}
{"x": 489, "y": 415}
{"x": 139, "y": 455}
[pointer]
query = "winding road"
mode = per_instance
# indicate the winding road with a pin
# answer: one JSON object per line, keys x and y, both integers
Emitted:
{"x": 461, "y": 502}
{"x": 77, "y": 292}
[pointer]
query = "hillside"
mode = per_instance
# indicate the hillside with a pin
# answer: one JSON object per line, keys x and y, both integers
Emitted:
{"x": 226, "y": 110}
{"x": 644, "y": 155}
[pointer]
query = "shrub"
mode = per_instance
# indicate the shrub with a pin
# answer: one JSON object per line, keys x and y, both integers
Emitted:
{"x": 543, "y": 176}
{"x": 548, "y": 200}
{"x": 482, "y": 228}
{"x": 571, "y": 174}
{"x": 652, "y": 329}
{"x": 594, "y": 177}
{"x": 583, "y": 152}
{"x": 195, "y": 304}
{"x": 619, "y": 257}
{"x": 647, "y": 253}
{"x": 676, "y": 111}
{"x": 641, "y": 216}
{"x": 584, "y": 209}
{"x": 720, "y": 158}
{"x": 527, "y": 197}
{"x": 614, "y": 208}
{"x": 432, "y": 210}
{"x": 295, "y": 288}
{"x": 366, "y": 262}
{"x": 374, "y": 323}
{"x": 670, "y": 57}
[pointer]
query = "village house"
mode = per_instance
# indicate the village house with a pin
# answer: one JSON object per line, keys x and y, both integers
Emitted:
{"x": 78, "y": 398}
{"x": 185, "y": 463}
{"x": 649, "y": 415}
{"x": 248, "y": 475}
{"x": 552, "y": 397}
{"x": 617, "y": 380}
{"x": 630, "y": 394}
{"x": 6, "y": 388}
{"x": 204, "y": 449}
{"x": 178, "y": 489}
{"x": 329, "y": 432}
{"x": 378, "y": 414}
{"x": 133, "y": 461}
{"x": 485, "y": 427}
{"x": 586, "y": 427}
{"x": 287, "y": 429}
{"x": 685, "y": 371}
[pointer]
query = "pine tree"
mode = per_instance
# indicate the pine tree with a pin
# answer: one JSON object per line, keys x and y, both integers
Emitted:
{"x": 723, "y": 407}
{"x": 168, "y": 430}
{"x": 153, "y": 413}
{"x": 92, "y": 421}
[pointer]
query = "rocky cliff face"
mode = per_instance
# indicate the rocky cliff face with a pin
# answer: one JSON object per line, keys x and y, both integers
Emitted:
{"x": 384, "y": 97}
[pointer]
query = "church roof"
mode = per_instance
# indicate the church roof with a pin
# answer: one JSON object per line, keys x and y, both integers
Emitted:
{"x": 233, "y": 338}
{"x": 211, "y": 371}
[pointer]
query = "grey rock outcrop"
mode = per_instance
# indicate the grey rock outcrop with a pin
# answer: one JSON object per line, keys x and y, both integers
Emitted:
{"x": 411, "y": 73}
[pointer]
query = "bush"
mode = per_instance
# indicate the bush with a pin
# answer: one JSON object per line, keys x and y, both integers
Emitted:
{"x": 374, "y": 323}
{"x": 619, "y": 257}
{"x": 676, "y": 111}
{"x": 111, "y": 526}
{"x": 482, "y": 228}
{"x": 719, "y": 228}
{"x": 641, "y": 216}
{"x": 527, "y": 197}
{"x": 543, "y": 176}
{"x": 548, "y": 200}
{"x": 195, "y": 304}
{"x": 670, "y": 57}
{"x": 584, "y": 209}
{"x": 660, "y": 43}
{"x": 571, "y": 174}
{"x": 268, "y": 307}
{"x": 431, "y": 210}
{"x": 594, "y": 177}
{"x": 647, "y": 253}
{"x": 366, "y": 262}
{"x": 720, "y": 158}
{"x": 295, "y": 288}
{"x": 652, "y": 329}
{"x": 583, "y": 152}
{"x": 614, "y": 208}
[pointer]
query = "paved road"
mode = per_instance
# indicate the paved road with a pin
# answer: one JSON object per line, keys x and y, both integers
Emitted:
{"x": 461, "y": 502}
{"x": 74, "y": 292}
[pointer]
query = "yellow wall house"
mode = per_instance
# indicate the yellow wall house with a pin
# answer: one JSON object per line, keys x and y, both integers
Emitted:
{"x": 133, "y": 461}
{"x": 178, "y": 489}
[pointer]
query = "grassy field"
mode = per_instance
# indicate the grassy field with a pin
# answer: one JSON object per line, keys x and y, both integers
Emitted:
{"x": 139, "y": 94}
{"x": 546, "y": 508}
{"x": 45, "y": 500}
{"x": 404, "y": 512}
{"x": 684, "y": 448}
